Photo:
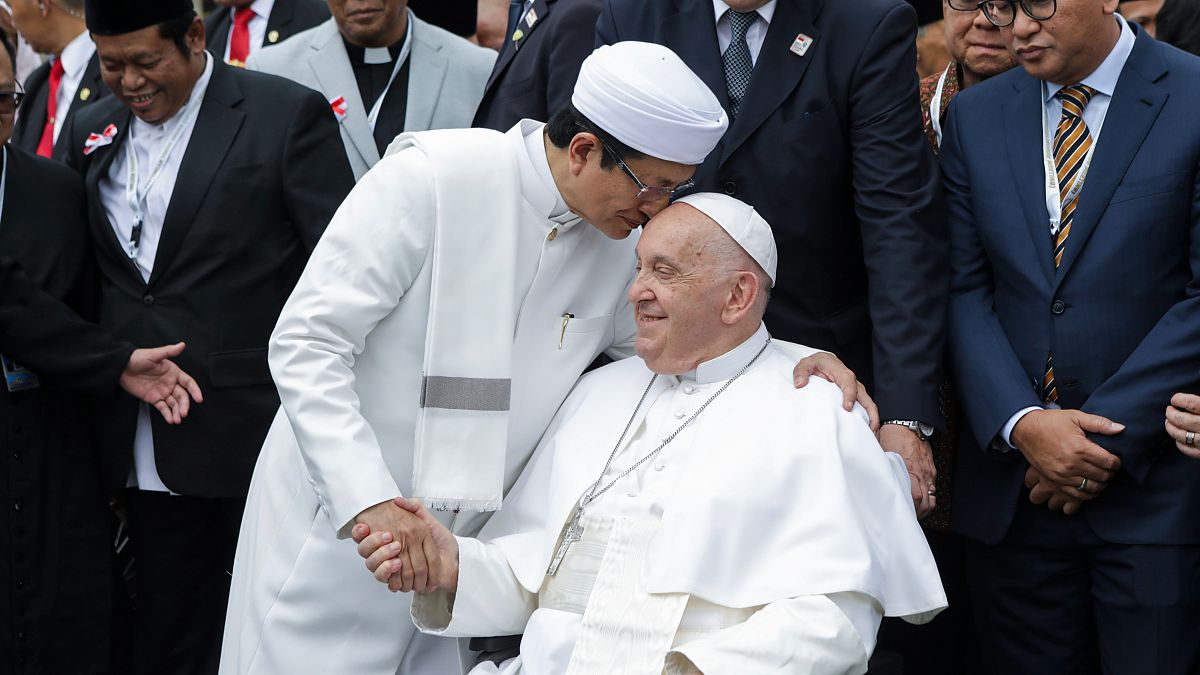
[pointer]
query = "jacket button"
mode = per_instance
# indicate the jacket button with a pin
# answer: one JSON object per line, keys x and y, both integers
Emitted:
{"x": 729, "y": 188}
{"x": 148, "y": 300}
{"x": 1058, "y": 307}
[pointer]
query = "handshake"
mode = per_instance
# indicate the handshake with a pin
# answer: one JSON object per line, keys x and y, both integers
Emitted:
{"x": 406, "y": 547}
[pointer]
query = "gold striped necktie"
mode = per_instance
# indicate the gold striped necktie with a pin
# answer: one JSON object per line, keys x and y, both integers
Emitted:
{"x": 1072, "y": 140}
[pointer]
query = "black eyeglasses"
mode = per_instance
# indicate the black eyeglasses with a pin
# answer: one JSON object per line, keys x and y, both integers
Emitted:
{"x": 964, "y": 5}
{"x": 1002, "y": 13}
{"x": 10, "y": 101}
{"x": 646, "y": 193}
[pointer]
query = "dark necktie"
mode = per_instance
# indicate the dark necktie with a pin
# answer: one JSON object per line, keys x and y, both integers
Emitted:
{"x": 738, "y": 64}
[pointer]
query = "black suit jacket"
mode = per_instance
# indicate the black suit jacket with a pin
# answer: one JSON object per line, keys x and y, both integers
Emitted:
{"x": 36, "y": 328}
{"x": 829, "y": 148}
{"x": 536, "y": 79}
{"x": 28, "y": 130}
{"x": 262, "y": 175}
{"x": 288, "y": 17}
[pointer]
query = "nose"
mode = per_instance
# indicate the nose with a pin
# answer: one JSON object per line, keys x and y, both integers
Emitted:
{"x": 639, "y": 291}
{"x": 1023, "y": 25}
{"x": 131, "y": 78}
{"x": 652, "y": 208}
{"x": 981, "y": 22}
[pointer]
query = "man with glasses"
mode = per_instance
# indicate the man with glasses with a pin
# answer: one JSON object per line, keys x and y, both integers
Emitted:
{"x": 1074, "y": 316}
{"x": 451, "y": 305}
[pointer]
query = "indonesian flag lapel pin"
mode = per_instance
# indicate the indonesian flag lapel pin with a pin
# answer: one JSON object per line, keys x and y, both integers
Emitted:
{"x": 801, "y": 44}
{"x": 339, "y": 107}
{"x": 99, "y": 139}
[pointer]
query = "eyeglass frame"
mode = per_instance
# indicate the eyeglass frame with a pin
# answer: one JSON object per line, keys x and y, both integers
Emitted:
{"x": 646, "y": 193}
{"x": 15, "y": 96}
{"x": 1024, "y": 4}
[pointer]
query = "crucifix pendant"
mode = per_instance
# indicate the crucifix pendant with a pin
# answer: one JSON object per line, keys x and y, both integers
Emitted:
{"x": 573, "y": 534}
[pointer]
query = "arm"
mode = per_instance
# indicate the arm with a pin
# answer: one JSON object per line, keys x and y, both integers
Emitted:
{"x": 899, "y": 208}
{"x": 606, "y": 26}
{"x": 571, "y": 44}
{"x": 316, "y": 173}
{"x": 812, "y": 635}
{"x": 364, "y": 264}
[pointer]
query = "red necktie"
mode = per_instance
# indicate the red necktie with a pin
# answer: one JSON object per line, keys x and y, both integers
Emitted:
{"x": 239, "y": 41}
{"x": 46, "y": 144}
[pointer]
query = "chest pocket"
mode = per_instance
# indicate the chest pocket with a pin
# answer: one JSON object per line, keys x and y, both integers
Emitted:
{"x": 583, "y": 332}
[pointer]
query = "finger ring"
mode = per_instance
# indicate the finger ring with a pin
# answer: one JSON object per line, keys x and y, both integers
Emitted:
{"x": 1189, "y": 438}
{"x": 1082, "y": 485}
{"x": 932, "y": 491}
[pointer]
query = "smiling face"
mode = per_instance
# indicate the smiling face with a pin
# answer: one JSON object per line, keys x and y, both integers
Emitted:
{"x": 694, "y": 297}
{"x": 607, "y": 197}
{"x": 1068, "y": 46}
{"x": 370, "y": 23}
{"x": 975, "y": 44}
{"x": 148, "y": 73}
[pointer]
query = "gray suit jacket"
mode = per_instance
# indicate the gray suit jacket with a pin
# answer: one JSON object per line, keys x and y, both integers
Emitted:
{"x": 447, "y": 75}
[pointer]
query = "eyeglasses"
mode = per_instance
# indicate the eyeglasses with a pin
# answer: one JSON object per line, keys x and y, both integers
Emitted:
{"x": 9, "y": 101}
{"x": 646, "y": 193}
{"x": 964, "y": 5}
{"x": 1002, "y": 13}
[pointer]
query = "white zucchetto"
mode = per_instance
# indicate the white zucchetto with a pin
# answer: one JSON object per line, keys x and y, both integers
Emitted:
{"x": 647, "y": 98}
{"x": 743, "y": 224}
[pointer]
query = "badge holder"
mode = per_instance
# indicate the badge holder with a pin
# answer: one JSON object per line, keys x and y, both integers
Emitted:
{"x": 16, "y": 376}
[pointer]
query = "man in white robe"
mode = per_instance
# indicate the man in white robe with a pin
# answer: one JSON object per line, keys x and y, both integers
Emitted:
{"x": 736, "y": 525}
{"x": 447, "y": 311}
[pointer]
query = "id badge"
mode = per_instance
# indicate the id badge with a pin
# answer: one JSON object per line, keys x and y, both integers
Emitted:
{"x": 16, "y": 376}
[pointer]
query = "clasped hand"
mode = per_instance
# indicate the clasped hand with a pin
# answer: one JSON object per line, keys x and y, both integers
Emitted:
{"x": 406, "y": 547}
{"x": 1060, "y": 457}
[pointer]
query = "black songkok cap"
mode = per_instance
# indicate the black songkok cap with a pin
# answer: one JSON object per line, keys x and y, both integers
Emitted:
{"x": 117, "y": 17}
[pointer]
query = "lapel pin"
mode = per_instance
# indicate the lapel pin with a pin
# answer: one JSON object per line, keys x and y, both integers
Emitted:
{"x": 339, "y": 107}
{"x": 273, "y": 37}
{"x": 517, "y": 35}
{"x": 801, "y": 44}
{"x": 531, "y": 18}
{"x": 96, "y": 140}
{"x": 85, "y": 94}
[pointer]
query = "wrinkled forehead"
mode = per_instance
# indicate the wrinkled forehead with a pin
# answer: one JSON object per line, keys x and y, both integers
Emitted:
{"x": 677, "y": 230}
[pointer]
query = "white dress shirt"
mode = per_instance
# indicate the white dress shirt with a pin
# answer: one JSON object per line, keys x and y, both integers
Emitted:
{"x": 257, "y": 26}
{"x": 75, "y": 57}
{"x": 754, "y": 36}
{"x": 1104, "y": 80}
{"x": 148, "y": 140}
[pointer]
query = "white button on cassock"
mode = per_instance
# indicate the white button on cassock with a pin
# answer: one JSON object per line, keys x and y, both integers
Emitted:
{"x": 689, "y": 389}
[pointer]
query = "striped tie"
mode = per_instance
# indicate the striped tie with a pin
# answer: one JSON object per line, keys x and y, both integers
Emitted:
{"x": 1071, "y": 144}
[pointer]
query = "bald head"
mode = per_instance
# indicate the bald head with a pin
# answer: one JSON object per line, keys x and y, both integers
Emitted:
{"x": 698, "y": 293}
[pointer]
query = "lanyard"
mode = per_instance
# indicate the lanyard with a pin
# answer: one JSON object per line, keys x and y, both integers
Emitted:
{"x": 935, "y": 106}
{"x": 132, "y": 196}
{"x": 1054, "y": 203}
{"x": 373, "y": 116}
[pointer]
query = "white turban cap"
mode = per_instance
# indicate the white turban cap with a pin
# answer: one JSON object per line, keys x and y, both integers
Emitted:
{"x": 742, "y": 223}
{"x": 647, "y": 98}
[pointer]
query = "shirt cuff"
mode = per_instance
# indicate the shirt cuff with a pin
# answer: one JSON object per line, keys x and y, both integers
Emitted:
{"x": 1006, "y": 432}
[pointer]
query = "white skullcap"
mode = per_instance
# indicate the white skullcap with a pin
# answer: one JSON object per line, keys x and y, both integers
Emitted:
{"x": 647, "y": 98}
{"x": 742, "y": 223}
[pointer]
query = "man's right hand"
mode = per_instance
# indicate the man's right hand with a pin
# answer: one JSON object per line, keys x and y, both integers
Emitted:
{"x": 384, "y": 560}
{"x": 152, "y": 377}
{"x": 1056, "y": 444}
{"x": 420, "y": 562}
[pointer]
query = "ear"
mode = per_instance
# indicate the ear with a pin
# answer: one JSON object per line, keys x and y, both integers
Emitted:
{"x": 582, "y": 149}
{"x": 195, "y": 36}
{"x": 743, "y": 295}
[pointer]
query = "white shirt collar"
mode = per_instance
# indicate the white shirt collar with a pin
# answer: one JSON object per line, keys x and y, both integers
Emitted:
{"x": 728, "y": 364}
{"x": 543, "y": 192}
{"x": 198, "y": 91}
{"x": 766, "y": 12}
{"x": 262, "y": 8}
{"x": 77, "y": 53}
{"x": 1104, "y": 78}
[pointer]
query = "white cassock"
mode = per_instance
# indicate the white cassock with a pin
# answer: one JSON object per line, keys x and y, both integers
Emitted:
{"x": 770, "y": 536}
{"x": 347, "y": 357}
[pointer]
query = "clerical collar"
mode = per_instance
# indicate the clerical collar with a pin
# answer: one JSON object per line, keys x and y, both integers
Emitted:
{"x": 198, "y": 91}
{"x": 728, "y": 364}
{"x": 537, "y": 182}
{"x": 360, "y": 56}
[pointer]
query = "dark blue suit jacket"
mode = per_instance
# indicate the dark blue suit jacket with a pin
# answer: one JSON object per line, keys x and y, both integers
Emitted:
{"x": 1122, "y": 311}
{"x": 829, "y": 148}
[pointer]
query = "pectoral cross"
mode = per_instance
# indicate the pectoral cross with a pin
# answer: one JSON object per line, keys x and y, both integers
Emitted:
{"x": 573, "y": 534}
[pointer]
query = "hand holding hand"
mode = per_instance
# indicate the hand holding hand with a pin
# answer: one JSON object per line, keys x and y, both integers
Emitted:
{"x": 1183, "y": 423}
{"x": 829, "y": 367}
{"x": 1056, "y": 445}
{"x": 918, "y": 457}
{"x": 152, "y": 377}
{"x": 383, "y": 555}
{"x": 408, "y": 540}
{"x": 1059, "y": 497}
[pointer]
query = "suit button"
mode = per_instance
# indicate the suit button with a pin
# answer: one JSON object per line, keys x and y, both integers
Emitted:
{"x": 148, "y": 300}
{"x": 729, "y": 188}
{"x": 1058, "y": 307}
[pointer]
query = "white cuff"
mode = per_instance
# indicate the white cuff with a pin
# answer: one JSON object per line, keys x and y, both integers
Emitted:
{"x": 1006, "y": 432}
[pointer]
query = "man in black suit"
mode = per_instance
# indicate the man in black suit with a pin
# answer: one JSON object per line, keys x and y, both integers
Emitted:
{"x": 207, "y": 187}
{"x": 65, "y": 84}
{"x": 239, "y": 27}
{"x": 826, "y": 143}
{"x": 546, "y": 43}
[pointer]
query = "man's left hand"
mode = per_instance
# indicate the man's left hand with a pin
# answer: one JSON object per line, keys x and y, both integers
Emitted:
{"x": 918, "y": 457}
{"x": 152, "y": 377}
{"x": 829, "y": 367}
{"x": 1066, "y": 498}
{"x": 1183, "y": 423}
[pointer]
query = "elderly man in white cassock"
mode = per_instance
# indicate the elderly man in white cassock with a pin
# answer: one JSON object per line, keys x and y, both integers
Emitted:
{"x": 690, "y": 511}
{"x": 447, "y": 311}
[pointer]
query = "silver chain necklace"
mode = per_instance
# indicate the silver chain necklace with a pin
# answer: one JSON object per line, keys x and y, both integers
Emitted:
{"x": 575, "y": 531}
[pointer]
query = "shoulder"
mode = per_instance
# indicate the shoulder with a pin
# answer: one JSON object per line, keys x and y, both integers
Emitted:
{"x": 459, "y": 51}
{"x": 633, "y": 13}
{"x": 214, "y": 20}
{"x": 37, "y": 78}
{"x": 271, "y": 90}
{"x": 281, "y": 57}
{"x": 49, "y": 176}
{"x": 97, "y": 116}
{"x": 309, "y": 12}
{"x": 992, "y": 93}
{"x": 580, "y": 10}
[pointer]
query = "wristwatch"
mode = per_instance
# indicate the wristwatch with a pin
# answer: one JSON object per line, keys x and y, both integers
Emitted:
{"x": 922, "y": 430}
